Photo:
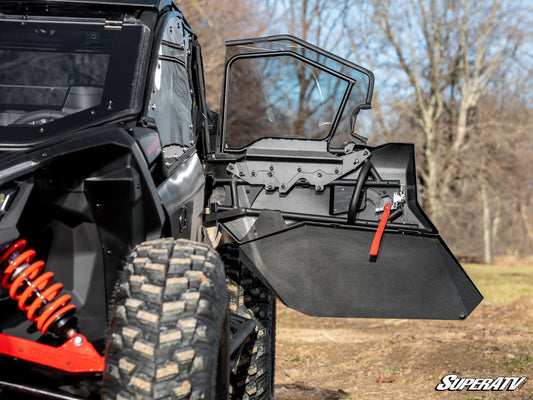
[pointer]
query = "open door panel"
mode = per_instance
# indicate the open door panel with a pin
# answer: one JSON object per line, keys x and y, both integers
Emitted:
{"x": 333, "y": 227}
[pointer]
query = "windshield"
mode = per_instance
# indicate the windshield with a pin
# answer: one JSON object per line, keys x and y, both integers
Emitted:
{"x": 54, "y": 70}
{"x": 284, "y": 87}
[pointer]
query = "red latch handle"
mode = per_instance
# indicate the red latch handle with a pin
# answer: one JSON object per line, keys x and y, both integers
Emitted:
{"x": 379, "y": 233}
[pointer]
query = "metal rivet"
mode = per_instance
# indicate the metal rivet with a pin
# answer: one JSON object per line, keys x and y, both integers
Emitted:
{"x": 41, "y": 130}
{"x": 337, "y": 171}
{"x": 357, "y": 161}
{"x": 283, "y": 186}
{"x": 270, "y": 174}
{"x": 462, "y": 315}
{"x": 269, "y": 187}
{"x": 319, "y": 175}
{"x": 241, "y": 173}
{"x": 253, "y": 173}
{"x": 78, "y": 341}
{"x": 272, "y": 168}
{"x": 93, "y": 113}
{"x": 299, "y": 169}
{"x": 44, "y": 154}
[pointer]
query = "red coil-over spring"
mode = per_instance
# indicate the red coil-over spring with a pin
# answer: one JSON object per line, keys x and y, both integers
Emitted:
{"x": 28, "y": 287}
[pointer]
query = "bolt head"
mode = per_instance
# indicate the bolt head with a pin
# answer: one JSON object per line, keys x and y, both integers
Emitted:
{"x": 78, "y": 341}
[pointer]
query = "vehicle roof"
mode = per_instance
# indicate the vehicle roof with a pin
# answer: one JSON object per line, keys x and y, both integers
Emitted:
{"x": 134, "y": 3}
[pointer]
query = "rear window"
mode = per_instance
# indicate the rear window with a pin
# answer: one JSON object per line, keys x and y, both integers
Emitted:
{"x": 56, "y": 70}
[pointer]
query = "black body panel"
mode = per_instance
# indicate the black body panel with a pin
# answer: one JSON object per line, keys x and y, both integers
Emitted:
{"x": 325, "y": 271}
{"x": 88, "y": 201}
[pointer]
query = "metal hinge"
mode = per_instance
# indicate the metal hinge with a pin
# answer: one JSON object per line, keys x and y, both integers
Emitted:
{"x": 113, "y": 24}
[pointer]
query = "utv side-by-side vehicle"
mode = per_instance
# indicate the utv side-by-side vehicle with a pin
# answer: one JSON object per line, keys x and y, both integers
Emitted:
{"x": 115, "y": 173}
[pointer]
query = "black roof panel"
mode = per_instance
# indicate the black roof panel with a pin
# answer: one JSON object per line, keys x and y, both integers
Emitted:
{"x": 135, "y": 3}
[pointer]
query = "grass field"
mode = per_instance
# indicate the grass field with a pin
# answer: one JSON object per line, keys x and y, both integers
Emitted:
{"x": 502, "y": 284}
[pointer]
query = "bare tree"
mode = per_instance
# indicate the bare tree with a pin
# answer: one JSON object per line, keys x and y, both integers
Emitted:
{"x": 216, "y": 21}
{"x": 445, "y": 53}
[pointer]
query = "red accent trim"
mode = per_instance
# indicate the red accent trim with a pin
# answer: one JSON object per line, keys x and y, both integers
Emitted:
{"x": 68, "y": 357}
{"x": 379, "y": 233}
{"x": 15, "y": 246}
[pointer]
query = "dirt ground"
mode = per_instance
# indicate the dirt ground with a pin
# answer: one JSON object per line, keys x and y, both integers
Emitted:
{"x": 327, "y": 359}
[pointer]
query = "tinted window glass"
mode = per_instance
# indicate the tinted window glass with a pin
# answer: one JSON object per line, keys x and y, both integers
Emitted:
{"x": 51, "y": 70}
{"x": 319, "y": 80}
{"x": 280, "y": 96}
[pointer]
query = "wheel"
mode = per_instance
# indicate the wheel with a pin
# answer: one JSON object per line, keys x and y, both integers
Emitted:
{"x": 253, "y": 376}
{"x": 167, "y": 325}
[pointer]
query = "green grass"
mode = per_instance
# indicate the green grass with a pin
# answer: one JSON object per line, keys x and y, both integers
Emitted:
{"x": 521, "y": 363}
{"x": 502, "y": 284}
{"x": 295, "y": 358}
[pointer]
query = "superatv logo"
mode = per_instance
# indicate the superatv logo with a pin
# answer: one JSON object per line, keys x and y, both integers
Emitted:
{"x": 452, "y": 383}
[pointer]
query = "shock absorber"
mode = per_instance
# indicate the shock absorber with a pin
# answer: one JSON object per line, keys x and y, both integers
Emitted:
{"x": 31, "y": 289}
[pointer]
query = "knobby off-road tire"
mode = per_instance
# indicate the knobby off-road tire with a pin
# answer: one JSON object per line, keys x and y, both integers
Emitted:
{"x": 253, "y": 378}
{"x": 169, "y": 311}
